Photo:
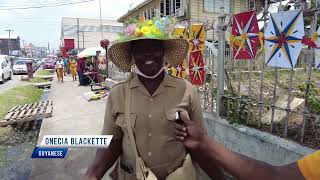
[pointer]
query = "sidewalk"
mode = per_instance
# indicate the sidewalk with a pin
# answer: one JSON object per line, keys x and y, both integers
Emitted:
{"x": 72, "y": 115}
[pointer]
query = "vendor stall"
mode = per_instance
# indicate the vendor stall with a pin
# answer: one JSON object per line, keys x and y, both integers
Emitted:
{"x": 95, "y": 66}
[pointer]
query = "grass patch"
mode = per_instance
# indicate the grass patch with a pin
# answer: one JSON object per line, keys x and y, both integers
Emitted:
{"x": 38, "y": 80}
{"x": 18, "y": 96}
{"x": 43, "y": 72}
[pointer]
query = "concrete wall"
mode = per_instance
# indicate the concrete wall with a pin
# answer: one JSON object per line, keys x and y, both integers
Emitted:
{"x": 91, "y": 39}
{"x": 90, "y": 31}
{"x": 253, "y": 143}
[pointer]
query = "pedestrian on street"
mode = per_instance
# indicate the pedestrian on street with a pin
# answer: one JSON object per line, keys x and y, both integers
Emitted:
{"x": 73, "y": 68}
{"x": 141, "y": 111}
{"x": 81, "y": 67}
{"x": 209, "y": 154}
{"x": 59, "y": 69}
{"x": 65, "y": 66}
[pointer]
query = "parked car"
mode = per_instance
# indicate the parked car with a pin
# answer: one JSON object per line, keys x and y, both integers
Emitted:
{"x": 20, "y": 65}
{"x": 49, "y": 64}
{"x": 5, "y": 68}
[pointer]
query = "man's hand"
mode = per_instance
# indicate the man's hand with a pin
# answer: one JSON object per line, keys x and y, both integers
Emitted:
{"x": 189, "y": 133}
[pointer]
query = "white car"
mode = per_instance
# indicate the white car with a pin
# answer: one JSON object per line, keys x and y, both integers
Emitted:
{"x": 19, "y": 66}
{"x": 5, "y": 68}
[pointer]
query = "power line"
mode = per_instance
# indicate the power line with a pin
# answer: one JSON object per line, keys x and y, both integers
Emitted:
{"x": 32, "y": 3}
{"x": 44, "y": 6}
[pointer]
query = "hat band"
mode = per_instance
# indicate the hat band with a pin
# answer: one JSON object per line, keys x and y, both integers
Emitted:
{"x": 136, "y": 70}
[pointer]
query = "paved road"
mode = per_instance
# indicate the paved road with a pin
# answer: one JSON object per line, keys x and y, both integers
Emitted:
{"x": 16, "y": 81}
{"x": 72, "y": 114}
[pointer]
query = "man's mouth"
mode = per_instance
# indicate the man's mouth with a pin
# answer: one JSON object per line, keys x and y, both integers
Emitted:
{"x": 149, "y": 62}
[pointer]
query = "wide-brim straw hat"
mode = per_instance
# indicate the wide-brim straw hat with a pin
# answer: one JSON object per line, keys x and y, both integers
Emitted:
{"x": 161, "y": 29}
{"x": 175, "y": 51}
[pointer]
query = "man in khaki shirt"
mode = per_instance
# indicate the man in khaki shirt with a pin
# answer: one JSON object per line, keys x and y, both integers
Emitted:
{"x": 155, "y": 98}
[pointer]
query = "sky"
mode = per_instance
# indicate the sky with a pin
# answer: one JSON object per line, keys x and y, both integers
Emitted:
{"x": 43, "y": 25}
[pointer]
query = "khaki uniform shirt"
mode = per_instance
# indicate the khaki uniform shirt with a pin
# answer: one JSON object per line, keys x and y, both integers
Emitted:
{"x": 152, "y": 118}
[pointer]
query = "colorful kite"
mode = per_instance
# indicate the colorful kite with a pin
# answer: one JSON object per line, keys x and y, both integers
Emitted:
{"x": 180, "y": 71}
{"x": 196, "y": 68}
{"x": 197, "y": 37}
{"x": 283, "y": 36}
{"x": 245, "y": 35}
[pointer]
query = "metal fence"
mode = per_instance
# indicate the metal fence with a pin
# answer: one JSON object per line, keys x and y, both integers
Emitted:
{"x": 281, "y": 101}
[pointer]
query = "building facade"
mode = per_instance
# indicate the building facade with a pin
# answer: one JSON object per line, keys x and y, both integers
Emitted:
{"x": 195, "y": 11}
{"x": 14, "y": 45}
{"x": 83, "y": 32}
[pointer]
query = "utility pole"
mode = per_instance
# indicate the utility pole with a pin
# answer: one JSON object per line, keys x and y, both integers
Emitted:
{"x": 48, "y": 48}
{"x": 9, "y": 41}
{"x": 78, "y": 27}
{"x": 100, "y": 20}
{"x": 83, "y": 39}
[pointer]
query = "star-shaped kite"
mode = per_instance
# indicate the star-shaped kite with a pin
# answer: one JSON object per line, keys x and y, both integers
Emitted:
{"x": 197, "y": 37}
{"x": 245, "y": 35}
{"x": 283, "y": 36}
{"x": 180, "y": 71}
{"x": 196, "y": 68}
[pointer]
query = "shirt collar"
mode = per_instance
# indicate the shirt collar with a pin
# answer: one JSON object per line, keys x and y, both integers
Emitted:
{"x": 167, "y": 81}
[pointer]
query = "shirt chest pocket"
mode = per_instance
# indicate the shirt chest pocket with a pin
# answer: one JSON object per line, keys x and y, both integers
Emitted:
{"x": 171, "y": 119}
{"x": 171, "y": 113}
{"x": 173, "y": 149}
